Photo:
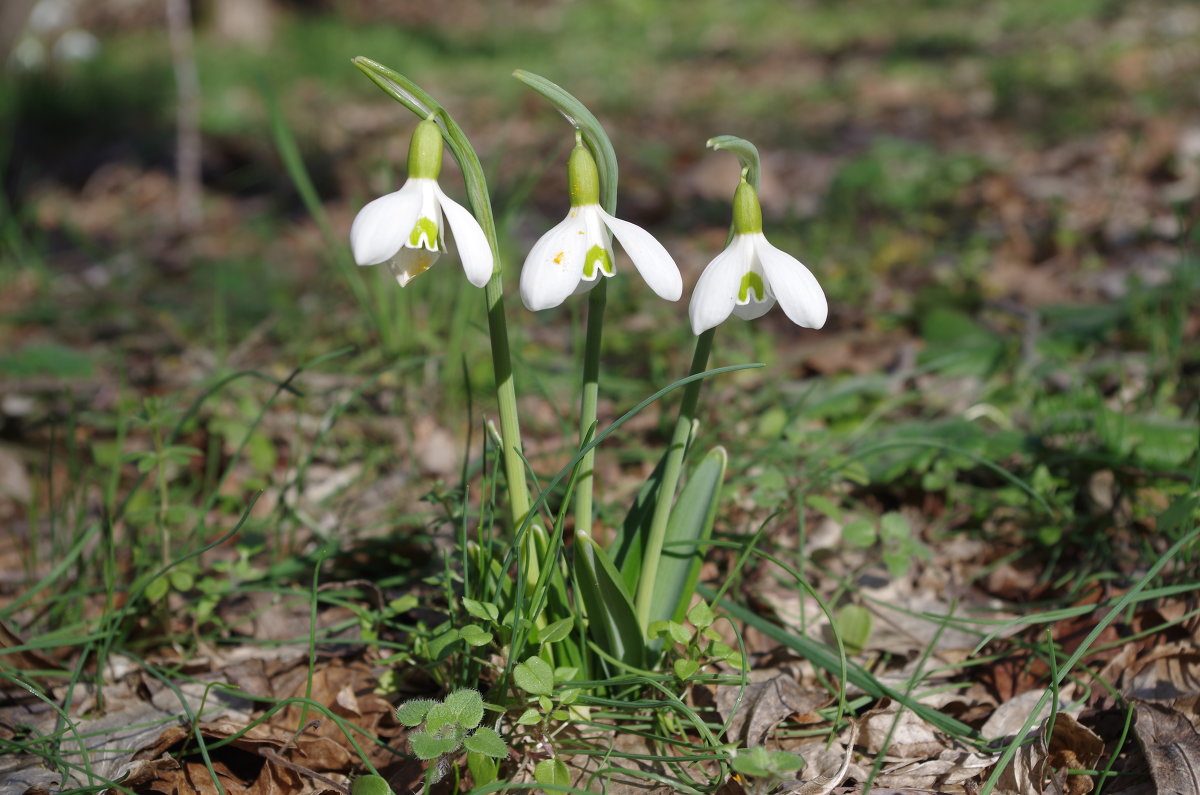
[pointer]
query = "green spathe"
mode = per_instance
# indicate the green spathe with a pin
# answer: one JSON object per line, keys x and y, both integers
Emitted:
{"x": 747, "y": 214}
{"x": 425, "y": 151}
{"x": 583, "y": 178}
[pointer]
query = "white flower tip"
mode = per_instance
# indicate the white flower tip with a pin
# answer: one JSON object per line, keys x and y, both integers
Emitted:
{"x": 473, "y": 247}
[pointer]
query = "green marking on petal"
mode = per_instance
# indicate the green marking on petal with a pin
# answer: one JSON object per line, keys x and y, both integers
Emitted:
{"x": 597, "y": 254}
{"x": 751, "y": 281}
{"x": 424, "y": 234}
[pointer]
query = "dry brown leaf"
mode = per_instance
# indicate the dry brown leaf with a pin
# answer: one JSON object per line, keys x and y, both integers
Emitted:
{"x": 23, "y": 659}
{"x": 764, "y": 704}
{"x": 1036, "y": 767}
{"x": 1169, "y": 672}
{"x": 916, "y": 754}
{"x": 1172, "y": 746}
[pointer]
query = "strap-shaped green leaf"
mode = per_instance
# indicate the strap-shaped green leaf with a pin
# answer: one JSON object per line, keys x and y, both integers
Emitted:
{"x": 689, "y": 527}
{"x": 612, "y": 622}
{"x": 630, "y": 542}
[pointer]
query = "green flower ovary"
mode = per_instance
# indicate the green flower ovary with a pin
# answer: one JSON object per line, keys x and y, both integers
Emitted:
{"x": 597, "y": 255}
{"x": 751, "y": 281}
{"x": 747, "y": 213}
{"x": 582, "y": 177}
{"x": 424, "y": 235}
{"x": 425, "y": 151}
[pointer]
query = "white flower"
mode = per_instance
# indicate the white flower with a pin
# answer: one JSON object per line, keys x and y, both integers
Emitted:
{"x": 750, "y": 275}
{"x": 404, "y": 229}
{"x": 571, "y": 257}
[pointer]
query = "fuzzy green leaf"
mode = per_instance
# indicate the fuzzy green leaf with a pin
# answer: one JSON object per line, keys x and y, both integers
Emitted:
{"x": 426, "y": 746}
{"x": 467, "y": 706}
{"x": 440, "y": 716}
{"x": 412, "y": 713}
{"x": 486, "y": 741}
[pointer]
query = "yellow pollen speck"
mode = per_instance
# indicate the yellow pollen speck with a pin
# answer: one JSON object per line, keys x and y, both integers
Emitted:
{"x": 558, "y": 258}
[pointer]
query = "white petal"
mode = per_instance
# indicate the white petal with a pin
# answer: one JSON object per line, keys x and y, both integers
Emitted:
{"x": 795, "y": 287}
{"x": 649, "y": 257}
{"x": 596, "y": 235}
{"x": 381, "y": 228}
{"x": 754, "y": 309}
{"x": 472, "y": 243}
{"x": 409, "y": 263}
{"x": 554, "y": 266}
{"x": 716, "y": 291}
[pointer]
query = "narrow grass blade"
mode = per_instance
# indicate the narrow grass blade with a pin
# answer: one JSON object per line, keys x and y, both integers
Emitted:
{"x": 822, "y": 657}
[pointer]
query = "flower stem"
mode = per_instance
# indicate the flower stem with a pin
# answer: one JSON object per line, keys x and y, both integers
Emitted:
{"x": 670, "y": 480}
{"x": 413, "y": 97}
{"x": 587, "y": 409}
{"x": 588, "y": 130}
{"x": 506, "y": 398}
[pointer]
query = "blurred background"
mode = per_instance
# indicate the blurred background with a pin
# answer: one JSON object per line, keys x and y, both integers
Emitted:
{"x": 179, "y": 180}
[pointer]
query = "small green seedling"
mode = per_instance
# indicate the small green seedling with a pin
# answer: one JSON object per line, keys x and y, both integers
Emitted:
{"x": 766, "y": 769}
{"x": 854, "y": 625}
{"x": 450, "y": 726}
{"x": 371, "y": 785}
{"x": 698, "y": 646}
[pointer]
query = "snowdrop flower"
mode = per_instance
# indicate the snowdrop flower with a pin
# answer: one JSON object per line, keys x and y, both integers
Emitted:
{"x": 571, "y": 257}
{"x": 404, "y": 229}
{"x": 750, "y": 275}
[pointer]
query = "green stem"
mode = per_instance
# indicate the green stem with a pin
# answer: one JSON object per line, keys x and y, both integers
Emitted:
{"x": 413, "y": 97}
{"x": 506, "y": 398}
{"x": 598, "y": 143}
{"x": 670, "y": 479}
{"x": 587, "y": 409}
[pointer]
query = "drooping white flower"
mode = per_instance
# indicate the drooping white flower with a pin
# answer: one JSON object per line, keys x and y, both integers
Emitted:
{"x": 571, "y": 257}
{"x": 750, "y": 275}
{"x": 405, "y": 229}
